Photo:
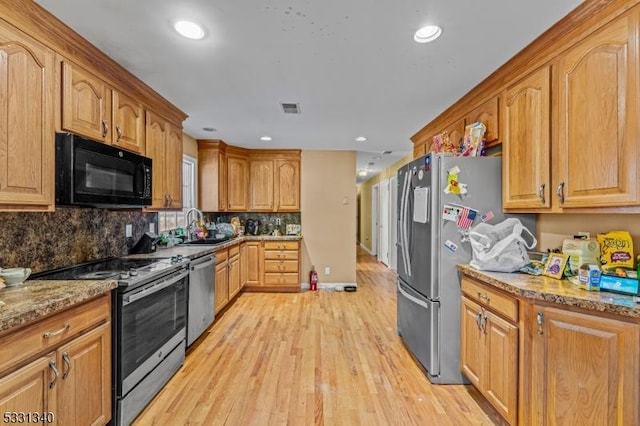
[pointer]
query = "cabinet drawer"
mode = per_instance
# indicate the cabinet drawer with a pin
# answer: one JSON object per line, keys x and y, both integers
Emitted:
{"x": 221, "y": 255}
{"x": 50, "y": 332}
{"x": 281, "y": 266}
{"x": 491, "y": 298}
{"x": 234, "y": 250}
{"x": 284, "y": 279}
{"x": 281, "y": 254}
{"x": 281, "y": 245}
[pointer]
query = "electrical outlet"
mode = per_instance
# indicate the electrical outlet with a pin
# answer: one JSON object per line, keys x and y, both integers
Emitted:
{"x": 278, "y": 221}
{"x": 128, "y": 230}
{"x": 152, "y": 227}
{"x": 327, "y": 270}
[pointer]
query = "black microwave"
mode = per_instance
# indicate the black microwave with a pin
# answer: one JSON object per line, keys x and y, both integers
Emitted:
{"x": 94, "y": 174}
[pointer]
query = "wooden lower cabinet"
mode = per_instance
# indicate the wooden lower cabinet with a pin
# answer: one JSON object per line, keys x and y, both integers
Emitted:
{"x": 489, "y": 346}
{"x": 221, "y": 292}
{"x": 234, "y": 271}
{"x": 69, "y": 381}
{"x": 278, "y": 267}
{"x": 250, "y": 264}
{"x": 584, "y": 369}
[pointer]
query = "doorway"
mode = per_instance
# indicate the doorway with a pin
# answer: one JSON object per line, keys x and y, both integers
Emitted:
{"x": 383, "y": 223}
{"x": 375, "y": 203}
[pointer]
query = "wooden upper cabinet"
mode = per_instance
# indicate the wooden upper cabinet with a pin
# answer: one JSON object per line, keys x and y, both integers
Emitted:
{"x": 28, "y": 131}
{"x": 584, "y": 369}
{"x": 128, "y": 123}
{"x": 212, "y": 176}
{"x": 597, "y": 142}
{"x": 526, "y": 129}
{"x": 156, "y": 134}
{"x": 173, "y": 165}
{"x": 237, "y": 182}
{"x": 86, "y": 104}
{"x": 487, "y": 113}
{"x": 261, "y": 176}
{"x": 287, "y": 185}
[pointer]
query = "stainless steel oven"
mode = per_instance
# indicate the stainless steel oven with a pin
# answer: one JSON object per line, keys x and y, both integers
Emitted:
{"x": 151, "y": 333}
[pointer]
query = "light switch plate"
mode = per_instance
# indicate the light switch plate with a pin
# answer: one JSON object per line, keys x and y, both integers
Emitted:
{"x": 152, "y": 227}
{"x": 128, "y": 230}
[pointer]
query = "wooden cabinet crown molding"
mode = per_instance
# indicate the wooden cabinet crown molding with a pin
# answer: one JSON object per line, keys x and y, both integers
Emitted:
{"x": 33, "y": 19}
{"x": 575, "y": 26}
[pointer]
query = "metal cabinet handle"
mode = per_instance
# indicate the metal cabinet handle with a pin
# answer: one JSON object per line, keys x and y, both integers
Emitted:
{"x": 483, "y": 323}
{"x": 539, "y": 318}
{"x": 560, "y": 192}
{"x": 67, "y": 361}
{"x": 50, "y": 334}
{"x": 541, "y": 193}
{"x": 119, "y": 132}
{"x": 479, "y": 319}
{"x": 484, "y": 297}
{"x": 52, "y": 366}
{"x": 105, "y": 128}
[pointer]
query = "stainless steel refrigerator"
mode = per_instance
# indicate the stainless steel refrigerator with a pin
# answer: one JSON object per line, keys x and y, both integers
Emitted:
{"x": 439, "y": 198}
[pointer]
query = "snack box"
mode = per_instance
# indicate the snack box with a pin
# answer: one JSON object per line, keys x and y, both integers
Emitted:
{"x": 589, "y": 277}
{"x": 619, "y": 284}
{"x": 581, "y": 252}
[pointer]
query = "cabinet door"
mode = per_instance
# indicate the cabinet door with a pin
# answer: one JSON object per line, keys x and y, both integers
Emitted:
{"x": 234, "y": 276}
{"x": 84, "y": 395}
{"x": 27, "y": 131}
{"x": 261, "y": 176}
{"x": 287, "y": 186}
{"x": 455, "y": 131}
{"x": 420, "y": 149}
{"x": 156, "y": 135}
{"x": 86, "y": 104}
{"x": 128, "y": 123}
{"x": 585, "y": 369}
{"x": 253, "y": 263}
{"x": 173, "y": 166}
{"x": 471, "y": 343}
{"x": 526, "y": 130}
{"x": 29, "y": 390}
{"x": 237, "y": 182}
{"x": 597, "y": 125}
{"x": 487, "y": 113}
{"x": 500, "y": 370}
{"x": 221, "y": 294}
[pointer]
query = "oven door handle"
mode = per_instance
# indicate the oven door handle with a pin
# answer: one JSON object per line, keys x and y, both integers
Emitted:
{"x": 155, "y": 288}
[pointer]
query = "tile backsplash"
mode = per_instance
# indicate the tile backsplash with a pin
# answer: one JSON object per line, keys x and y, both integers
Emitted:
{"x": 264, "y": 218}
{"x": 67, "y": 236}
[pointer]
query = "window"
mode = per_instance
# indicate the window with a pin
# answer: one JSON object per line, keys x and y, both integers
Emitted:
{"x": 172, "y": 220}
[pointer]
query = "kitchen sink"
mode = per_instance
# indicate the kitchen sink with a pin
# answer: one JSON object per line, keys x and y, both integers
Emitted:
{"x": 206, "y": 241}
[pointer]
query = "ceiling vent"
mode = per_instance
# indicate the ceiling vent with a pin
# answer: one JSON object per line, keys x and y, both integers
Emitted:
{"x": 387, "y": 152}
{"x": 289, "y": 108}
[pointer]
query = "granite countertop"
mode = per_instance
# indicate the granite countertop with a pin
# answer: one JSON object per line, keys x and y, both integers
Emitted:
{"x": 562, "y": 292}
{"x": 194, "y": 251}
{"x": 36, "y": 299}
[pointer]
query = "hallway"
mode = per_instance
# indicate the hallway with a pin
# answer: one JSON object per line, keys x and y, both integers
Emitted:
{"x": 311, "y": 358}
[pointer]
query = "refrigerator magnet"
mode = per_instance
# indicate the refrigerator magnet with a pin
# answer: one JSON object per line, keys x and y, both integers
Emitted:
{"x": 454, "y": 186}
{"x": 450, "y": 212}
{"x": 466, "y": 218}
{"x": 451, "y": 246}
{"x": 487, "y": 216}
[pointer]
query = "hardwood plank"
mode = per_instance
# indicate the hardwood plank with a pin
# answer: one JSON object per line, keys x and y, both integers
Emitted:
{"x": 323, "y": 358}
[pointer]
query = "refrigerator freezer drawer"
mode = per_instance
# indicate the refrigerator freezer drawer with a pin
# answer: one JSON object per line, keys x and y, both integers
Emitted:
{"x": 418, "y": 327}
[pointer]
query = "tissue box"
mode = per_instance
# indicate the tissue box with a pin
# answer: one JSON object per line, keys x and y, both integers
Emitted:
{"x": 619, "y": 284}
{"x": 589, "y": 277}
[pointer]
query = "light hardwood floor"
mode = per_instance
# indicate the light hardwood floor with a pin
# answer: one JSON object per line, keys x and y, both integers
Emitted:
{"x": 311, "y": 358}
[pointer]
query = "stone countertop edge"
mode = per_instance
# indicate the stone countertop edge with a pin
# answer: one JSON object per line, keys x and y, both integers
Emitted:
{"x": 194, "y": 251}
{"x": 562, "y": 292}
{"x": 36, "y": 299}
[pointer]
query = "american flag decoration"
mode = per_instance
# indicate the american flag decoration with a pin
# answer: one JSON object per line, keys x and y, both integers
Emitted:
{"x": 487, "y": 216}
{"x": 466, "y": 218}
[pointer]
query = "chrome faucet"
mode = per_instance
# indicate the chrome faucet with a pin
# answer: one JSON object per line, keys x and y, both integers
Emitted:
{"x": 191, "y": 224}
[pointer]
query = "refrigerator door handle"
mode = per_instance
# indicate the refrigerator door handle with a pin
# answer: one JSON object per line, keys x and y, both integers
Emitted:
{"x": 404, "y": 223}
{"x": 412, "y": 298}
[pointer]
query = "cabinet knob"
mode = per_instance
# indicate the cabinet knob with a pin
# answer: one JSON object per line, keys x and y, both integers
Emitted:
{"x": 541, "y": 193}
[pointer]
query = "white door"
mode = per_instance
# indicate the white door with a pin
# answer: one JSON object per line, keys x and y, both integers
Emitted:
{"x": 374, "y": 218}
{"x": 383, "y": 223}
{"x": 393, "y": 222}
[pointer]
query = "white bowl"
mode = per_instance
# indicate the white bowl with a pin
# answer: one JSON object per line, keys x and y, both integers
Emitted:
{"x": 14, "y": 276}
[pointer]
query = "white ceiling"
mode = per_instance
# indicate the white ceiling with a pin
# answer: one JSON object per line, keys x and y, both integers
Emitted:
{"x": 352, "y": 65}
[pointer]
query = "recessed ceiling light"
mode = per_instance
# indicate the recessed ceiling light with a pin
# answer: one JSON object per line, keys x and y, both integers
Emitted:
{"x": 427, "y": 34}
{"x": 265, "y": 138}
{"x": 361, "y": 139}
{"x": 362, "y": 173}
{"x": 377, "y": 158}
{"x": 189, "y": 30}
{"x": 209, "y": 129}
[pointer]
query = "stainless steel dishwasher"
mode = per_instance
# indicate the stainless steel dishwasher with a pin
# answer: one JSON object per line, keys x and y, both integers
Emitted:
{"x": 201, "y": 286}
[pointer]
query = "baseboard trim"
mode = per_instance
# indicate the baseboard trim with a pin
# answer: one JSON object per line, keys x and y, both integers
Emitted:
{"x": 329, "y": 286}
{"x": 366, "y": 249}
